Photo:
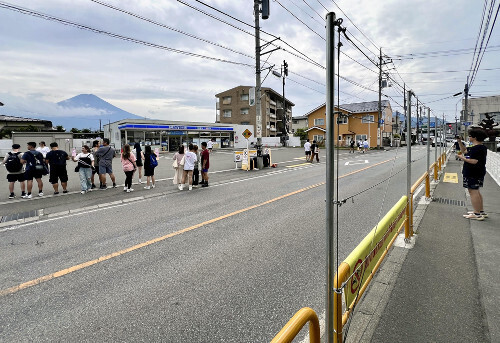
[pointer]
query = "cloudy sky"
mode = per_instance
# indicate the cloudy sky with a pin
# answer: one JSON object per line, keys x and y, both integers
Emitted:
{"x": 430, "y": 43}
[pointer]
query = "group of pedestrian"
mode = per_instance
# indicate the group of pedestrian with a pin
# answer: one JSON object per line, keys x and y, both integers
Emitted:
{"x": 35, "y": 163}
{"x": 311, "y": 150}
{"x": 187, "y": 165}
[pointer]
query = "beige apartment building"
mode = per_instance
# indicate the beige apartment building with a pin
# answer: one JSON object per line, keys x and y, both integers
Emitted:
{"x": 233, "y": 107}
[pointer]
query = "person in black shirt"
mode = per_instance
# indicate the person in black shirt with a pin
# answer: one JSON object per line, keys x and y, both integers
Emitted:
{"x": 474, "y": 170}
{"x": 57, "y": 160}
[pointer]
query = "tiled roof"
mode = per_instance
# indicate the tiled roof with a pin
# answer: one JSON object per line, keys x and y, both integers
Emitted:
{"x": 359, "y": 107}
{"x": 21, "y": 119}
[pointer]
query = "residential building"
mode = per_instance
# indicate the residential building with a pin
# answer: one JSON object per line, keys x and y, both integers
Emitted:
{"x": 358, "y": 121}
{"x": 233, "y": 108}
{"x": 300, "y": 122}
{"x": 479, "y": 107}
{"x": 11, "y": 123}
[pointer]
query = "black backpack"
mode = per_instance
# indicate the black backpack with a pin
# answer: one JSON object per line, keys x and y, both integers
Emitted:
{"x": 13, "y": 163}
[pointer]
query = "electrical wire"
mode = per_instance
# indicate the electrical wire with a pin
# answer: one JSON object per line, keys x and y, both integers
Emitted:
{"x": 169, "y": 28}
{"x": 293, "y": 15}
{"x": 114, "y": 35}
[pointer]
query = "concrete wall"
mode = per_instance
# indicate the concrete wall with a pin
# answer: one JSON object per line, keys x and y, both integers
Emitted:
{"x": 493, "y": 165}
{"x": 5, "y": 146}
{"x": 63, "y": 139}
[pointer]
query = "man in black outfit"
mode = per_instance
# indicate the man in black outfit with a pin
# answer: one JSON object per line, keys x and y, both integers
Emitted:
{"x": 474, "y": 170}
{"x": 57, "y": 160}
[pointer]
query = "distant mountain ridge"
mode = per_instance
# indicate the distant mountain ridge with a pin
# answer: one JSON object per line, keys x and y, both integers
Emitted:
{"x": 107, "y": 113}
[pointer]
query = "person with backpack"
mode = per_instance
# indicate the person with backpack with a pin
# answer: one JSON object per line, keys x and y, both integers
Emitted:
{"x": 56, "y": 159}
{"x": 35, "y": 169}
{"x": 150, "y": 163}
{"x": 15, "y": 171}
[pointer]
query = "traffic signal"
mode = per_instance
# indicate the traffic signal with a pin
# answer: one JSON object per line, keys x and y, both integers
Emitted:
{"x": 449, "y": 125}
{"x": 265, "y": 9}
{"x": 285, "y": 68}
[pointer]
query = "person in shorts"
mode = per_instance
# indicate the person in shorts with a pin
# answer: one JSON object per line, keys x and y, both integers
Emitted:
{"x": 474, "y": 170}
{"x": 56, "y": 159}
{"x": 307, "y": 149}
{"x": 16, "y": 172}
{"x": 30, "y": 159}
{"x": 149, "y": 170}
{"x": 210, "y": 145}
{"x": 105, "y": 156}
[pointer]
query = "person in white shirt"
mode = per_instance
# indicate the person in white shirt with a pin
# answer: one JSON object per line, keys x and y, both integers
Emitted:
{"x": 43, "y": 149}
{"x": 189, "y": 163}
{"x": 85, "y": 161}
{"x": 210, "y": 145}
{"x": 307, "y": 149}
{"x": 365, "y": 146}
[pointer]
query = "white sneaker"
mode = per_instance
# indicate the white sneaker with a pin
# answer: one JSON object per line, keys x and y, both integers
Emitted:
{"x": 125, "y": 188}
{"x": 26, "y": 196}
{"x": 147, "y": 187}
{"x": 190, "y": 188}
{"x": 140, "y": 181}
{"x": 153, "y": 185}
{"x": 40, "y": 194}
{"x": 181, "y": 187}
{"x": 130, "y": 190}
{"x": 83, "y": 192}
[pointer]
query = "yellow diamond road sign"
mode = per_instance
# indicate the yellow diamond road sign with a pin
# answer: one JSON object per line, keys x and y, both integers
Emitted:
{"x": 247, "y": 133}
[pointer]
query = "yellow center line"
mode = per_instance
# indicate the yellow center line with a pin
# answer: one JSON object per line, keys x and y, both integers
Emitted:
{"x": 83, "y": 265}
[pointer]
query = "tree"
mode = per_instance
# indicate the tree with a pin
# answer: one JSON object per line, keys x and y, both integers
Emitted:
{"x": 75, "y": 130}
{"x": 301, "y": 133}
{"x": 59, "y": 128}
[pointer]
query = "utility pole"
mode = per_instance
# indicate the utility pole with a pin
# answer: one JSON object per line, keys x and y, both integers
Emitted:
{"x": 330, "y": 179}
{"x": 408, "y": 156}
{"x": 284, "y": 74}
{"x": 379, "y": 98}
{"x": 428, "y": 138}
{"x": 466, "y": 111}
{"x": 456, "y": 123}
{"x": 416, "y": 132}
{"x": 258, "y": 106}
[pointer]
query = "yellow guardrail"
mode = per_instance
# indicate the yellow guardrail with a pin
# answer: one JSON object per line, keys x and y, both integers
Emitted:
{"x": 357, "y": 270}
{"x": 355, "y": 273}
{"x": 296, "y": 323}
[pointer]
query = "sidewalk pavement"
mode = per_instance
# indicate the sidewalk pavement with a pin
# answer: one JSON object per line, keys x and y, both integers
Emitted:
{"x": 445, "y": 288}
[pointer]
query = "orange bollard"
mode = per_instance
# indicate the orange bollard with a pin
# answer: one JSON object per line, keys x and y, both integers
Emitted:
{"x": 427, "y": 186}
{"x": 435, "y": 172}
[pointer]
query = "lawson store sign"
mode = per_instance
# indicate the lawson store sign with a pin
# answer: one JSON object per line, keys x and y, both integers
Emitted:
{"x": 172, "y": 127}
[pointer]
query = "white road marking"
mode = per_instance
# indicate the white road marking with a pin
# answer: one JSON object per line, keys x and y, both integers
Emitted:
{"x": 353, "y": 163}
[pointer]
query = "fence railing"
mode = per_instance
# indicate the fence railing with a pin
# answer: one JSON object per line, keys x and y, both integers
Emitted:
{"x": 296, "y": 323}
{"x": 355, "y": 273}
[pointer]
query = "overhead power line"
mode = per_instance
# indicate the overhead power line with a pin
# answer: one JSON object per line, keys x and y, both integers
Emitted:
{"x": 102, "y": 3}
{"x": 113, "y": 35}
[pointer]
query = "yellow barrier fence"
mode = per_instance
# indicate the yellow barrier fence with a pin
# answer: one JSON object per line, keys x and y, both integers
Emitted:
{"x": 296, "y": 323}
{"x": 355, "y": 273}
{"x": 357, "y": 270}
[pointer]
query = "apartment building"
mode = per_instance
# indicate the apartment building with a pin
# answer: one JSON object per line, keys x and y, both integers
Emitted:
{"x": 233, "y": 107}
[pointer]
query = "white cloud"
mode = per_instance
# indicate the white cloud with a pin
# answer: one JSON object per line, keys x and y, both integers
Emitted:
{"x": 47, "y": 61}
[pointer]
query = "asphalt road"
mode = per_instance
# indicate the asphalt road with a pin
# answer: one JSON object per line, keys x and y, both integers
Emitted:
{"x": 228, "y": 263}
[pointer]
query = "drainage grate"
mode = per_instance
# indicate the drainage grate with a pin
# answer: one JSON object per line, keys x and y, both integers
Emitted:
{"x": 450, "y": 201}
{"x": 17, "y": 216}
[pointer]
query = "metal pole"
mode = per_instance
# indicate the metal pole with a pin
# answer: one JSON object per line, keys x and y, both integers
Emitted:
{"x": 435, "y": 138}
{"x": 428, "y": 138}
{"x": 408, "y": 154}
{"x": 379, "y": 99}
{"x": 466, "y": 111}
{"x": 330, "y": 177}
{"x": 285, "y": 114}
{"x": 258, "y": 109}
